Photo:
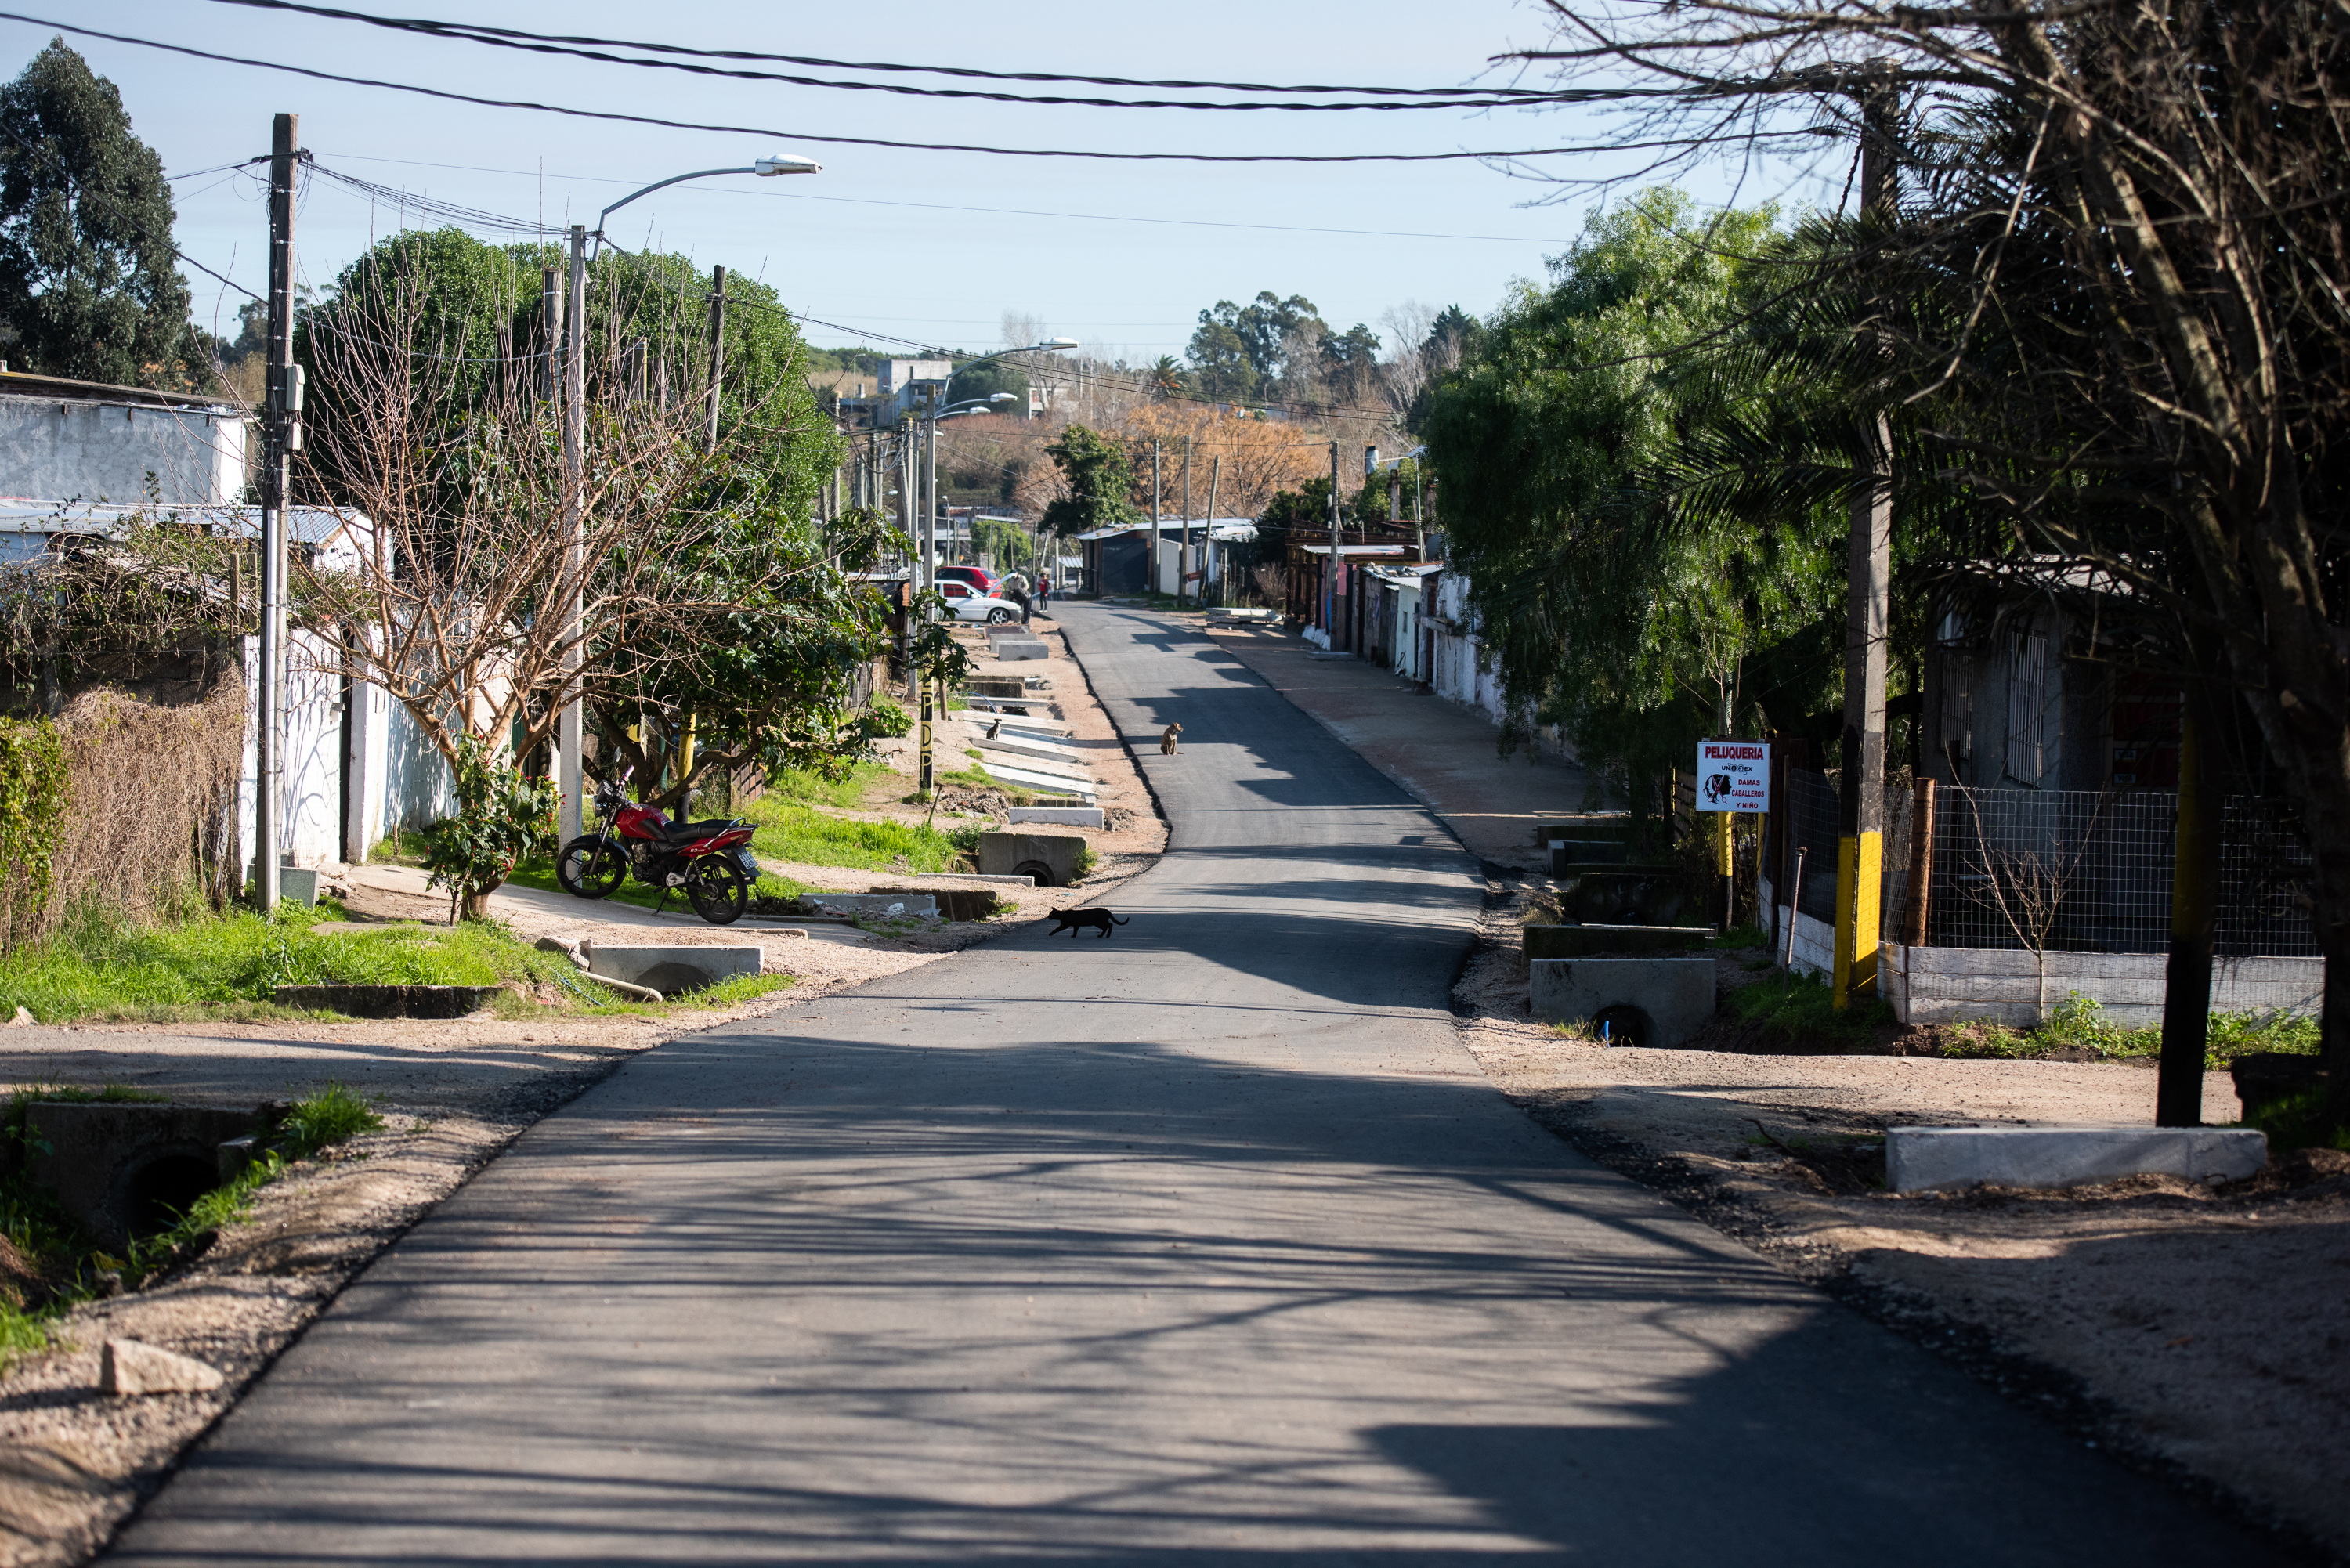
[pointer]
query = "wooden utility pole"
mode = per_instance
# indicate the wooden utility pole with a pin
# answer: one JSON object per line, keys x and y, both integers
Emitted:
{"x": 1150, "y": 573}
{"x": 281, "y": 438}
{"x": 2194, "y": 910}
{"x": 1921, "y": 865}
{"x": 1215, "y": 472}
{"x": 717, "y": 354}
{"x": 1330, "y": 572}
{"x": 571, "y": 772}
{"x": 1860, "y": 815}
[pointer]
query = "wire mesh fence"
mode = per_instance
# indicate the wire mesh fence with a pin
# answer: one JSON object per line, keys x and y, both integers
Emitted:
{"x": 2061, "y": 870}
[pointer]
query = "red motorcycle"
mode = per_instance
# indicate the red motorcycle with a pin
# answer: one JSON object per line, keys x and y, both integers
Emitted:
{"x": 711, "y": 860}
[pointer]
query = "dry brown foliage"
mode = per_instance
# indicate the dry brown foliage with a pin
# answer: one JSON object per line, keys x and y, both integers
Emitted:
{"x": 151, "y": 811}
{"x": 1261, "y": 457}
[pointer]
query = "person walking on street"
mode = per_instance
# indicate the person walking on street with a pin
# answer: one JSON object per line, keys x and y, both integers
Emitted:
{"x": 1044, "y": 593}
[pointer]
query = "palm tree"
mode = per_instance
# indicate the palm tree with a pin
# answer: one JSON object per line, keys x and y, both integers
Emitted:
{"x": 1165, "y": 376}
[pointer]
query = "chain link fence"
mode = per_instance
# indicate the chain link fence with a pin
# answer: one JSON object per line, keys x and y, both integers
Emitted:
{"x": 2065, "y": 870}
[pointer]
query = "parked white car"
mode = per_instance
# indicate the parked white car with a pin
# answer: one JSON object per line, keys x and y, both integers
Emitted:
{"x": 969, "y": 604}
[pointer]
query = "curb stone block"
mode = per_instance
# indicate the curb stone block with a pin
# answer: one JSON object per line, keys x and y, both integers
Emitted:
{"x": 1917, "y": 1159}
{"x": 127, "y": 1367}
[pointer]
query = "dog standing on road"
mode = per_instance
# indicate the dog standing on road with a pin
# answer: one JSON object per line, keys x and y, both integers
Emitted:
{"x": 1167, "y": 740}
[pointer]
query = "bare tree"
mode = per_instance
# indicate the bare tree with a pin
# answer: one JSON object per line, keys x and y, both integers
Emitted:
{"x": 482, "y": 544}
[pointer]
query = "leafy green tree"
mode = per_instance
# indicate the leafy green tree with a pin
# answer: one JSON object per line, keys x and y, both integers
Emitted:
{"x": 88, "y": 285}
{"x": 1621, "y": 608}
{"x": 1098, "y": 474}
{"x": 986, "y": 381}
{"x": 1238, "y": 349}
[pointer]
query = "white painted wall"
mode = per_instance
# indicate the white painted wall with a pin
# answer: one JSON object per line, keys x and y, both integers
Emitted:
{"x": 75, "y": 449}
{"x": 312, "y": 805}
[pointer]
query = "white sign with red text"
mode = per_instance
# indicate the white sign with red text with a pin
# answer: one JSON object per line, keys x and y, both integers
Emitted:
{"x": 1733, "y": 775}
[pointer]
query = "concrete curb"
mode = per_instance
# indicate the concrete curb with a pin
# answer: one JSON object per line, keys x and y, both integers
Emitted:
{"x": 1918, "y": 1159}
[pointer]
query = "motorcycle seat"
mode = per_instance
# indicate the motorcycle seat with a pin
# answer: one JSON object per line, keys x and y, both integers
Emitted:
{"x": 687, "y": 832}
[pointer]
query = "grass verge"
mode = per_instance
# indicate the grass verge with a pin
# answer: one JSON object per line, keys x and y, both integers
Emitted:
{"x": 2080, "y": 1022}
{"x": 810, "y": 837}
{"x": 104, "y": 967}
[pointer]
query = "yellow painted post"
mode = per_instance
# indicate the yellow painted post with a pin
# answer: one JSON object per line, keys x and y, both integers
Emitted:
{"x": 1725, "y": 868}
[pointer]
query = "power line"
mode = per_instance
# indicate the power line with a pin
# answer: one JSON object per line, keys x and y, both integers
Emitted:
{"x": 992, "y": 211}
{"x": 661, "y": 123}
{"x": 539, "y": 44}
{"x": 962, "y": 71}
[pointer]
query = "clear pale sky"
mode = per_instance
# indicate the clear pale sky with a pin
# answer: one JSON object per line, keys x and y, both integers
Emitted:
{"x": 894, "y": 242}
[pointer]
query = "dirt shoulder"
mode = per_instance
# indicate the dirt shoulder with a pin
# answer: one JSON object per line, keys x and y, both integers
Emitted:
{"x": 2197, "y": 1332}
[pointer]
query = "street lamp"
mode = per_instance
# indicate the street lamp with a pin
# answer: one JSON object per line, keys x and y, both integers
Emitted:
{"x": 787, "y": 163}
{"x": 571, "y": 775}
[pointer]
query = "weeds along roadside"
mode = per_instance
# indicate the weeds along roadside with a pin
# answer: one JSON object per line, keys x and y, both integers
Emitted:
{"x": 102, "y": 967}
{"x": 50, "y": 1265}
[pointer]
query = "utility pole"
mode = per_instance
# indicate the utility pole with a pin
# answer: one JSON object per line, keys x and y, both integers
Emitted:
{"x": 281, "y": 439}
{"x": 1330, "y": 576}
{"x": 1208, "y": 524}
{"x": 931, "y": 494}
{"x": 570, "y": 766}
{"x": 1183, "y": 550}
{"x": 550, "y": 331}
{"x": 906, "y": 500}
{"x": 717, "y": 353}
{"x": 2194, "y": 910}
{"x": 1150, "y": 579}
{"x": 1860, "y": 814}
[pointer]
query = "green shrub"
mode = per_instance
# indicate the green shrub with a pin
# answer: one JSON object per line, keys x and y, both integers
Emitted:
{"x": 328, "y": 1117}
{"x": 502, "y": 817}
{"x": 32, "y": 793}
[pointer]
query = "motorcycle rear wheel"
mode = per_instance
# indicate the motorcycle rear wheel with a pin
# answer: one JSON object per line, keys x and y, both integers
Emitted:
{"x": 589, "y": 868}
{"x": 716, "y": 888}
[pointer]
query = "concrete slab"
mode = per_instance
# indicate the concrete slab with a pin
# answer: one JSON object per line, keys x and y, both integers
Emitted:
{"x": 1655, "y": 1001}
{"x": 1009, "y": 649}
{"x": 1059, "y": 815}
{"x": 670, "y": 970}
{"x": 1041, "y": 782}
{"x": 1919, "y": 1158}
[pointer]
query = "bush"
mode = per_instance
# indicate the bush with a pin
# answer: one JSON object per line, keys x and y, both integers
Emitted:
{"x": 33, "y": 797}
{"x": 502, "y": 817}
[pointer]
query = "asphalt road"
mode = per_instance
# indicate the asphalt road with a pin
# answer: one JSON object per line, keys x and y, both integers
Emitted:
{"x": 1204, "y": 1242}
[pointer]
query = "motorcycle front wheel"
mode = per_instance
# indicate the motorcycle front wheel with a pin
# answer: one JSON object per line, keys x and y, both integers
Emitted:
{"x": 589, "y": 868}
{"x": 717, "y": 889}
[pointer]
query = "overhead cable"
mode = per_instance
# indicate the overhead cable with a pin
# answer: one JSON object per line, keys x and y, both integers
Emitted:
{"x": 486, "y": 33}
{"x": 666, "y": 124}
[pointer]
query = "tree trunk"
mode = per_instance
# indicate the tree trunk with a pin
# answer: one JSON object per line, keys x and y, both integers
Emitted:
{"x": 474, "y": 905}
